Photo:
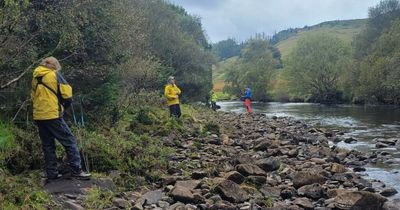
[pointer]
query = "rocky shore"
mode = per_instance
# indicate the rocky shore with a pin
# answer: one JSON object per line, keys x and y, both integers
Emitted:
{"x": 258, "y": 162}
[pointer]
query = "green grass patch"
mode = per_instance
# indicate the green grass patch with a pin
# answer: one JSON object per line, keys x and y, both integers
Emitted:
{"x": 24, "y": 191}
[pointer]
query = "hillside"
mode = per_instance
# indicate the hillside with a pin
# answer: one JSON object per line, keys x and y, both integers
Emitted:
{"x": 286, "y": 40}
{"x": 344, "y": 29}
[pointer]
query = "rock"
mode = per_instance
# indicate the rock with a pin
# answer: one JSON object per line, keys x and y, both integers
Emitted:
{"x": 182, "y": 194}
{"x": 270, "y": 164}
{"x": 305, "y": 178}
{"x": 388, "y": 192}
{"x": 313, "y": 191}
{"x": 288, "y": 192}
{"x": 270, "y": 191}
{"x": 392, "y": 205}
{"x": 359, "y": 169}
{"x": 263, "y": 146}
{"x": 70, "y": 204}
{"x": 177, "y": 206}
{"x": 189, "y": 184}
{"x": 359, "y": 200}
{"x": 163, "y": 204}
{"x": 332, "y": 193}
{"x": 235, "y": 176}
{"x": 190, "y": 206}
{"x": 226, "y": 140}
{"x": 249, "y": 169}
{"x": 231, "y": 192}
{"x": 152, "y": 197}
{"x": 350, "y": 140}
{"x": 120, "y": 203}
{"x": 257, "y": 180}
{"x": 381, "y": 145}
{"x": 337, "y": 168}
{"x": 318, "y": 160}
{"x": 223, "y": 205}
{"x": 304, "y": 203}
{"x": 389, "y": 141}
{"x": 198, "y": 174}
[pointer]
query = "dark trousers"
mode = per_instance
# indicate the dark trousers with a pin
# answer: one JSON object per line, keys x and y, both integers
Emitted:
{"x": 58, "y": 129}
{"x": 175, "y": 110}
{"x": 214, "y": 105}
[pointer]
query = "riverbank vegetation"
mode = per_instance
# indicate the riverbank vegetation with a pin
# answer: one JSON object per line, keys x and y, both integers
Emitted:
{"x": 117, "y": 56}
{"x": 331, "y": 67}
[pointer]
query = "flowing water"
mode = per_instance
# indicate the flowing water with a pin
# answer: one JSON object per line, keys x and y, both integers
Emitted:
{"x": 364, "y": 123}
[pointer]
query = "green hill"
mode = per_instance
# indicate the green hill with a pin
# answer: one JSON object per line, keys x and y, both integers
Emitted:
{"x": 286, "y": 40}
{"x": 344, "y": 29}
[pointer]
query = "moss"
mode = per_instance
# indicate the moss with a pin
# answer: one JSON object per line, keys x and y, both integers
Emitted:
{"x": 98, "y": 199}
{"x": 24, "y": 191}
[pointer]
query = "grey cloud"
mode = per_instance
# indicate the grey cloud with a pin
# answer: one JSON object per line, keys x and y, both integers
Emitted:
{"x": 243, "y": 18}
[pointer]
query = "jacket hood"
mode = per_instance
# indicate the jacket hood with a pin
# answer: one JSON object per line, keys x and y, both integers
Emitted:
{"x": 41, "y": 71}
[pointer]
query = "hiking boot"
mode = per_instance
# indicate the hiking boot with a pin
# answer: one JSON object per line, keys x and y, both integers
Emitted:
{"x": 54, "y": 178}
{"x": 81, "y": 175}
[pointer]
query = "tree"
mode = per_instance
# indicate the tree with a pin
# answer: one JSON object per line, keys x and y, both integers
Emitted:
{"x": 380, "y": 72}
{"x": 380, "y": 18}
{"x": 254, "y": 68}
{"x": 226, "y": 49}
{"x": 315, "y": 65}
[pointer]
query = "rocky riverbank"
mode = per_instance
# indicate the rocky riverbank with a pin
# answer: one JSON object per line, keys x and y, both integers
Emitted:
{"x": 257, "y": 162}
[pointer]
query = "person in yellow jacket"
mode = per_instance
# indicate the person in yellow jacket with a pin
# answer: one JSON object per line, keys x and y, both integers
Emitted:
{"x": 214, "y": 99}
{"x": 172, "y": 92}
{"x": 51, "y": 95}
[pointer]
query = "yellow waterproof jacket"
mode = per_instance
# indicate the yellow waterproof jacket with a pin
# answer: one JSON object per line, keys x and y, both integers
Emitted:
{"x": 172, "y": 93}
{"x": 214, "y": 97}
{"x": 49, "y": 88}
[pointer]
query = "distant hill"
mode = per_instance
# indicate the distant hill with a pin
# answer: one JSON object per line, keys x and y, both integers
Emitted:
{"x": 286, "y": 40}
{"x": 345, "y": 29}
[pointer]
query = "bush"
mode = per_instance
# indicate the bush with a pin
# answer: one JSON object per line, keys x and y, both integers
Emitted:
{"x": 7, "y": 139}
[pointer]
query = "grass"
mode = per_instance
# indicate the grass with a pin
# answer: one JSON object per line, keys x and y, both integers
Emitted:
{"x": 287, "y": 45}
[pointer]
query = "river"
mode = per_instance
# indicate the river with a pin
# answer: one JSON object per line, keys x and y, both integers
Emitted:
{"x": 364, "y": 123}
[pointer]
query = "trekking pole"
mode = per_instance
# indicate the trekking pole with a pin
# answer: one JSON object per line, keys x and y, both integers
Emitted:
{"x": 73, "y": 113}
{"x": 80, "y": 144}
{"x": 85, "y": 156}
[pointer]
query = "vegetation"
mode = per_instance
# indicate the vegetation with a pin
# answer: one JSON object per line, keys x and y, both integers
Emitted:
{"x": 254, "y": 68}
{"x": 227, "y": 48}
{"x": 117, "y": 56}
{"x": 314, "y": 67}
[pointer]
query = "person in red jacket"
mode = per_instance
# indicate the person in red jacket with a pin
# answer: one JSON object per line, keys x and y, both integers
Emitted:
{"x": 247, "y": 99}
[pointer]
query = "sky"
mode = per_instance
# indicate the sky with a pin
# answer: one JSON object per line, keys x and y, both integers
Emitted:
{"x": 241, "y": 19}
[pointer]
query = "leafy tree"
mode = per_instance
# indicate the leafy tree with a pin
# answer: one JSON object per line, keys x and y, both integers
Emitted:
{"x": 379, "y": 73}
{"x": 254, "y": 68}
{"x": 314, "y": 67}
{"x": 379, "y": 20}
{"x": 226, "y": 49}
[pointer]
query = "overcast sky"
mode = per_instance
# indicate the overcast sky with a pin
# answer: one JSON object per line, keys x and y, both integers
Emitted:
{"x": 241, "y": 19}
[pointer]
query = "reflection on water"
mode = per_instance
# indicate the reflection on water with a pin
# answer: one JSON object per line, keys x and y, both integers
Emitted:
{"x": 364, "y": 123}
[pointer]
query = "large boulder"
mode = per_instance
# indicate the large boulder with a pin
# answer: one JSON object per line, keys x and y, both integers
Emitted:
{"x": 313, "y": 191}
{"x": 235, "y": 176}
{"x": 306, "y": 178}
{"x": 249, "y": 169}
{"x": 182, "y": 194}
{"x": 270, "y": 164}
{"x": 359, "y": 200}
{"x": 231, "y": 192}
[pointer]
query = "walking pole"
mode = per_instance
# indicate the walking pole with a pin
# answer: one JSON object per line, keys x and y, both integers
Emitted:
{"x": 73, "y": 113}
{"x": 85, "y": 156}
{"x": 79, "y": 134}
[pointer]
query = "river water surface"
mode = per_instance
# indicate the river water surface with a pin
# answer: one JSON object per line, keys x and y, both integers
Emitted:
{"x": 364, "y": 123}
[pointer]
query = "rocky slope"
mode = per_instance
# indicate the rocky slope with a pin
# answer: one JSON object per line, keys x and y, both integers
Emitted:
{"x": 256, "y": 162}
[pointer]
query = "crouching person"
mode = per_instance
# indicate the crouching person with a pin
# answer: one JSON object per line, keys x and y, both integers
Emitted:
{"x": 51, "y": 95}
